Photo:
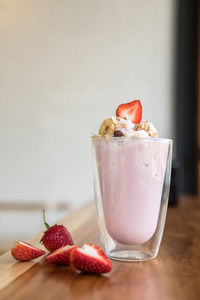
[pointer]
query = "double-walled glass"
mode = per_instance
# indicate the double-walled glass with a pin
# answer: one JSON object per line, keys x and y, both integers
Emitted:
{"x": 131, "y": 185}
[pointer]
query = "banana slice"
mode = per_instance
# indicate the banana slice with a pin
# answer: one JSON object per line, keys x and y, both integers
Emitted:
{"x": 107, "y": 127}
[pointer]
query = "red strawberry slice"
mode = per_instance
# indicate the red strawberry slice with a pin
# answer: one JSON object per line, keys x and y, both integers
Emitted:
{"x": 24, "y": 252}
{"x": 132, "y": 111}
{"x": 60, "y": 256}
{"x": 90, "y": 259}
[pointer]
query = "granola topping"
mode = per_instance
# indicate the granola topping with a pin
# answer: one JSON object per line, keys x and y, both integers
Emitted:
{"x": 118, "y": 127}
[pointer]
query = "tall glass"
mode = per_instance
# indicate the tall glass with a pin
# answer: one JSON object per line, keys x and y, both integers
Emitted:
{"x": 131, "y": 185}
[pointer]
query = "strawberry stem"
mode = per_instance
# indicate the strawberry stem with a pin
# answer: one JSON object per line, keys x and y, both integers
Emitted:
{"x": 44, "y": 218}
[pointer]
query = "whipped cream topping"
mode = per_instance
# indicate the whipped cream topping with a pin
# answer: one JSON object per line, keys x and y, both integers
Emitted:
{"x": 117, "y": 126}
{"x": 147, "y": 127}
{"x": 125, "y": 126}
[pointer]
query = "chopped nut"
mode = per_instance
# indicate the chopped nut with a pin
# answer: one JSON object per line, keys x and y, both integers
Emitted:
{"x": 148, "y": 127}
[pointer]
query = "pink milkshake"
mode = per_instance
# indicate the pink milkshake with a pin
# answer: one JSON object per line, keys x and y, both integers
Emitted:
{"x": 131, "y": 175}
{"x": 132, "y": 168}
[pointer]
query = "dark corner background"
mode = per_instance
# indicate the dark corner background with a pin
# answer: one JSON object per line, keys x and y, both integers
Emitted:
{"x": 186, "y": 95}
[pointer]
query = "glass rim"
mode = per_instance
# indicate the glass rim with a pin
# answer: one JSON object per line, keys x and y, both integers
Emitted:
{"x": 132, "y": 138}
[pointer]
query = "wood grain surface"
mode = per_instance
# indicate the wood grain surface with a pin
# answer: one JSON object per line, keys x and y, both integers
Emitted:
{"x": 174, "y": 274}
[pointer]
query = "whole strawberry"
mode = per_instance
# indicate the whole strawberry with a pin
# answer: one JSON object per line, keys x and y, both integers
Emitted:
{"x": 55, "y": 236}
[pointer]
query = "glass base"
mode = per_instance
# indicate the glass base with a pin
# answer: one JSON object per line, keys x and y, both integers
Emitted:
{"x": 131, "y": 255}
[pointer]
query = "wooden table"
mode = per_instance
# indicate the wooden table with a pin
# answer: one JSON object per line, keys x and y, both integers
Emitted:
{"x": 174, "y": 274}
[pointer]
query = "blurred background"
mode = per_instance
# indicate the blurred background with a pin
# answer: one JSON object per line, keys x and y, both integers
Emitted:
{"x": 65, "y": 66}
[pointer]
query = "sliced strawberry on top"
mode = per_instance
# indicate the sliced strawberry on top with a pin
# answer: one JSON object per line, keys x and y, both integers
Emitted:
{"x": 132, "y": 111}
{"x": 60, "y": 256}
{"x": 90, "y": 259}
{"x": 24, "y": 252}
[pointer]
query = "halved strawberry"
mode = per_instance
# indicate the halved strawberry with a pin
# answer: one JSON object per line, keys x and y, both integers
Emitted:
{"x": 60, "y": 256}
{"x": 90, "y": 259}
{"x": 24, "y": 252}
{"x": 132, "y": 111}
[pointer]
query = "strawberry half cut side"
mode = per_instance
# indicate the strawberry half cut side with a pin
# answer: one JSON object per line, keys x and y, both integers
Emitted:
{"x": 90, "y": 259}
{"x": 24, "y": 252}
{"x": 132, "y": 111}
{"x": 60, "y": 256}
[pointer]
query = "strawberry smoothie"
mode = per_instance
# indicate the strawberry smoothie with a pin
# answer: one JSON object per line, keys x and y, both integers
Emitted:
{"x": 131, "y": 174}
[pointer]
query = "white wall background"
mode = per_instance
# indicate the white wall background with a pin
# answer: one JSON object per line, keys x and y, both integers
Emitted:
{"x": 65, "y": 66}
